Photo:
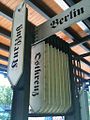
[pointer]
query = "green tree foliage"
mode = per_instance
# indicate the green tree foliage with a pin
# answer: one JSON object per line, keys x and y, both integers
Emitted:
{"x": 5, "y": 95}
{"x": 5, "y": 101}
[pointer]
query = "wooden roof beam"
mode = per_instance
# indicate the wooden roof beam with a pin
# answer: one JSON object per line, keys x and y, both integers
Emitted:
{"x": 77, "y": 38}
{"x": 3, "y": 57}
{"x": 85, "y": 54}
{"x": 80, "y": 41}
{"x": 3, "y": 68}
{"x": 6, "y": 12}
{"x": 5, "y": 33}
{"x": 4, "y": 47}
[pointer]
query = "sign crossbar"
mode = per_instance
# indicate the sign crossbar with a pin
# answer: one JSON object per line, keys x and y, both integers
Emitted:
{"x": 77, "y": 12}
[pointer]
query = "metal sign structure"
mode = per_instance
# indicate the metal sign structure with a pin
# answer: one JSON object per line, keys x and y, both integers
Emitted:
{"x": 16, "y": 60}
{"x": 77, "y": 12}
{"x": 37, "y": 75}
{"x": 19, "y": 64}
{"x": 50, "y": 90}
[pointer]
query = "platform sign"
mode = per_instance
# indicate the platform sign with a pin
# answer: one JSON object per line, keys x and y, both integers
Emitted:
{"x": 50, "y": 90}
{"x": 37, "y": 77}
{"x": 16, "y": 60}
{"x": 77, "y": 12}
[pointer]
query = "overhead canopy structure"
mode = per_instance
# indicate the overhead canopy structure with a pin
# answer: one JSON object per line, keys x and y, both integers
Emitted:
{"x": 77, "y": 35}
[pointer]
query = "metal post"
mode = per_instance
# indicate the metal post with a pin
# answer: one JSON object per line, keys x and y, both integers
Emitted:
{"x": 20, "y": 104}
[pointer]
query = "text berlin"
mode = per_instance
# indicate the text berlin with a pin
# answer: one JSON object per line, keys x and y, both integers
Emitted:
{"x": 71, "y": 15}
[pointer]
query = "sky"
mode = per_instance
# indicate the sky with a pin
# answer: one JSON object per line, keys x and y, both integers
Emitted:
{"x": 4, "y": 81}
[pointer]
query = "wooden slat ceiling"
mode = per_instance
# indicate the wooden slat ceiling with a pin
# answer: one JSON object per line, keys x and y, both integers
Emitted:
{"x": 4, "y": 40}
{"x": 37, "y": 19}
{"x": 34, "y": 17}
{"x": 5, "y": 23}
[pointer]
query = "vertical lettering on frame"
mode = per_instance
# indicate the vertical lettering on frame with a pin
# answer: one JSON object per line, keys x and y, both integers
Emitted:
{"x": 18, "y": 42}
{"x": 37, "y": 76}
{"x": 16, "y": 59}
{"x": 37, "y": 71}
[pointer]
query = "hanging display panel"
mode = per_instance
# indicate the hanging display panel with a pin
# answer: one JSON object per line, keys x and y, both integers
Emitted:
{"x": 50, "y": 87}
